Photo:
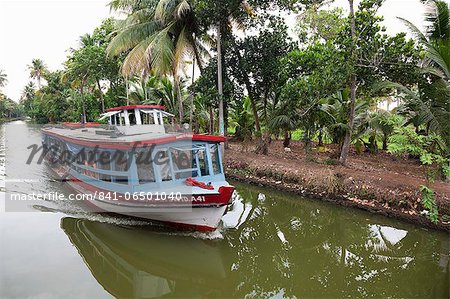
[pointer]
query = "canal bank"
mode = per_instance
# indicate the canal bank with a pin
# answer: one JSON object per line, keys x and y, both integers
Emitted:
{"x": 379, "y": 184}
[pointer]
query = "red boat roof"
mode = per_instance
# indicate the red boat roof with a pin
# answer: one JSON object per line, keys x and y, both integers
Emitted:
{"x": 136, "y": 107}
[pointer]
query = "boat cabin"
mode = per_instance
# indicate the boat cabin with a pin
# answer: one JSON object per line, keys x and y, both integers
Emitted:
{"x": 157, "y": 168}
{"x": 162, "y": 159}
{"x": 137, "y": 119}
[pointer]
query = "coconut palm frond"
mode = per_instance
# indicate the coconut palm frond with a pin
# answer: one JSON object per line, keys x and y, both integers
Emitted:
{"x": 182, "y": 48}
{"x": 208, "y": 40}
{"x": 162, "y": 10}
{"x": 420, "y": 110}
{"x": 137, "y": 17}
{"x": 130, "y": 37}
{"x": 329, "y": 110}
{"x": 414, "y": 30}
{"x": 437, "y": 56}
{"x": 248, "y": 8}
{"x": 138, "y": 60}
{"x": 237, "y": 23}
{"x": 392, "y": 85}
{"x": 438, "y": 16}
{"x": 161, "y": 51}
{"x": 121, "y": 4}
{"x": 202, "y": 50}
{"x": 282, "y": 121}
{"x": 182, "y": 8}
{"x": 433, "y": 71}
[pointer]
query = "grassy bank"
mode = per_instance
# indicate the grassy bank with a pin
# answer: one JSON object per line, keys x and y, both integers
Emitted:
{"x": 377, "y": 183}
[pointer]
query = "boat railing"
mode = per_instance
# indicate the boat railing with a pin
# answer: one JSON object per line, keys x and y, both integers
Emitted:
{"x": 100, "y": 171}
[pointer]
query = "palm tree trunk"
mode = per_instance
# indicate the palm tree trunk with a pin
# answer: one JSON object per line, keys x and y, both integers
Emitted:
{"x": 191, "y": 111}
{"x": 101, "y": 95}
{"x": 176, "y": 83}
{"x": 83, "y": 120}
{"x": 385, "y": 142}
{"x": 197, "y": 58}
{"x": 211, "y": 120}
{"x": 287, "y": 138}
{"x": 320, "y": 137}
{"x": 219, "y": 80}
{"x": 261, "y": 145}
{"x": 351, "y": 117}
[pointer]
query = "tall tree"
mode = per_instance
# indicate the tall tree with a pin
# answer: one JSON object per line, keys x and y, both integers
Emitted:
{"x": 37, "y": 70}
{"x": 352, "y": 85}
{"x": 159, "y": 37}
{"x": 254, "y": 61}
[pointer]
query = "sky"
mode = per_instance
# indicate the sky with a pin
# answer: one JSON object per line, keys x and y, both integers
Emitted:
{"x": 47, "y": 29}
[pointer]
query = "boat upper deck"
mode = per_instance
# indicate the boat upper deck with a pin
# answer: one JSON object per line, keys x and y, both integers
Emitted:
{"x": 105, "y": 134}
{"x": 128, "y": 126}
{"x": 111, "y": 138}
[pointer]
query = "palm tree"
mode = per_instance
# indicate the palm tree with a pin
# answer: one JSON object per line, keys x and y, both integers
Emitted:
{"x": 436, "y": 39}
{"x": 28, "y": 95}
{"x": 37, "y": 70}
{"x": 86, "y": 40}
{"x": 425, "y": 105}
{"x": 161, "y": 88}
{"x": 3, "y": 78}
{"x": 241, "y": 118}
{"x": 159, "y": 38}
{"x": 429, "y": 103}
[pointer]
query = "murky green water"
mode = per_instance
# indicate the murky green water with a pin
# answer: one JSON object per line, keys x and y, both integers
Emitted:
{"x": 271, "y": 245}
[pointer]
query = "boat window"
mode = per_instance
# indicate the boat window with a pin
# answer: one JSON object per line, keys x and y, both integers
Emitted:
{"x": 215, "y": 159}
{"x": 162, "y": 162}
{"x": 91, "y": 161}
{"x": 55, "y": 146}
{"x": 121, "y": 163}
{"x": 80, "y": 157}
{"x": 79, "y": 160}
{"x": 184, "y": 163}
{"x": 104, "y": 163}
{"x": 144, "y": 163}
{"x": 203, "y": 162}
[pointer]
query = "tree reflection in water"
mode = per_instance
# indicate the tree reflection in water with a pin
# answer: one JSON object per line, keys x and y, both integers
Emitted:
{"x": 330, "y": 251}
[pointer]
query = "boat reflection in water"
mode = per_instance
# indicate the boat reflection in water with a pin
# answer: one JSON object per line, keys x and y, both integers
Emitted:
{"x": 138, "y": 263}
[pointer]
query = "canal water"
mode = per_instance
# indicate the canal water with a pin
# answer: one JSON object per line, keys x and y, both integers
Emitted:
{"x": 270, "y": 245}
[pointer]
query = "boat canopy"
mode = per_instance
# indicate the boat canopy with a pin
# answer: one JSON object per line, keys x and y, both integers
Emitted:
{"x": 125, "y": 117}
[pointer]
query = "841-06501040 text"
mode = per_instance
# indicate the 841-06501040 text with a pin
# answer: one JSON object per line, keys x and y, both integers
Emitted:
{"x": 128, "y": 196}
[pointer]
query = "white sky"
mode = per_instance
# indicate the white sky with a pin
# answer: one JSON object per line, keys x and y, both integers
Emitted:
{"x": 46, "y": 29}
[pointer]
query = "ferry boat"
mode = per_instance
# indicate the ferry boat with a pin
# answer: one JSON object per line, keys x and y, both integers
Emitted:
{"x": 142, "y": 166}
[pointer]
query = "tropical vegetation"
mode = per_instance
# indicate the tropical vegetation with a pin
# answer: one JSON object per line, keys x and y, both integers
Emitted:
{"x": 323, "y": 83}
